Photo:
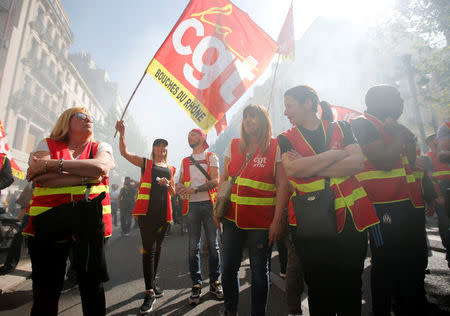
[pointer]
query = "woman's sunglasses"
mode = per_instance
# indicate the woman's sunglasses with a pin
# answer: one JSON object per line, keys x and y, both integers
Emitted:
{"x": 85, "y": 117}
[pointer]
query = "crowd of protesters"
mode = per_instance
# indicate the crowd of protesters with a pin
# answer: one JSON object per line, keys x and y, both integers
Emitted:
{"x": 324, "y": 190}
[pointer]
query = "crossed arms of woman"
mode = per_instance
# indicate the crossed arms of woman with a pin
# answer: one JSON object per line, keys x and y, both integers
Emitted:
{"x": 44, "y": 171}
{"x": 331, "y": 163}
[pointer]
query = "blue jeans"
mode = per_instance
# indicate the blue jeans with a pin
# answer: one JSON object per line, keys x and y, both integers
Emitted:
{"x": 200, "y": 213}
{"x": 234, "y": 239}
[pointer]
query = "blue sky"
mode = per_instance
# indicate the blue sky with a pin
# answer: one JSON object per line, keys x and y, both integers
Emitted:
{"x": 122, "y": 36}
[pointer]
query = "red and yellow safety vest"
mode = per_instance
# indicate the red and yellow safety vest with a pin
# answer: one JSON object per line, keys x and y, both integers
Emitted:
{"x": 145, "y": 187}
{"x": 441, "y": 171}
{"x": 187, "y": 181}
{"x": 348, "y": 192}
{"x": 2, "y": 160}
{"x": 401, "y": 183}
{"x": 253, "y": 196}
{"x": 45, "y": 198}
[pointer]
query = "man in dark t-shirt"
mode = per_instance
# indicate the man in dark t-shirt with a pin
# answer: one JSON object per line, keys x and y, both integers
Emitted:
{"x": 316, "y": 138}
{"x": 398, "y": 265}
{"x": 127, "y": 198}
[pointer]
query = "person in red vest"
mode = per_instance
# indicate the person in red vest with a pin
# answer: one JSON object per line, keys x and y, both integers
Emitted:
{"x": 443, "y": 136}
{"x": 62, "y": 167}
{"x": 199, "y": 176}
{"x": 255, "y": 217}
{"x": 398, "y": 267}
{"x": 311, "y": 156}
{"x": 443, "y": 152}
{"x": 153, "y": 209}
{"x": 441, "y": 175}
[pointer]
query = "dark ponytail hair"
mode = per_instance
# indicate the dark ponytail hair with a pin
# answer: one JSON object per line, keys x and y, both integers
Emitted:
{"x": 303, "y": 93}
{"x": 327, "y": 114}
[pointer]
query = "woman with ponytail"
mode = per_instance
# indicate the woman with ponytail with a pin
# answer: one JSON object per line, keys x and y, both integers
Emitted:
{"x": 313, "y": 151}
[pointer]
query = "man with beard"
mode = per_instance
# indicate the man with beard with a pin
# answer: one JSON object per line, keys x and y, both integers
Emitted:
{"x": 199, "y": 176}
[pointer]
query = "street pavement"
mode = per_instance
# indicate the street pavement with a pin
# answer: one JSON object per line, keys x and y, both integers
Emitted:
{"x": 124, "y": 292}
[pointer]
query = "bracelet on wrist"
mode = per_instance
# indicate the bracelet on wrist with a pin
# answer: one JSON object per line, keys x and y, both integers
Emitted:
{"x": 60, "y": 166}
{"x": 45, "y": 166}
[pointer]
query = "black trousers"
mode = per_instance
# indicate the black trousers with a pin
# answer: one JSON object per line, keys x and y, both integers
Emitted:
{"x": 126, "y": 209}
{"x": 152, "y": 236}
{"x": 15, "y": 248}
{"x": 332, "y": 270}
{"x": 48, "y": 261}
{"x": 398, "y": 267}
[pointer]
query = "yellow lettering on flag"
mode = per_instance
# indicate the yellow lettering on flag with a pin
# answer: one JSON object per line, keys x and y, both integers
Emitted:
{"x": 193, "y": 107}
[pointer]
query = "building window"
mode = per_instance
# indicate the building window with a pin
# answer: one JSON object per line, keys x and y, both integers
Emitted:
{"x": 44, "y": 60}
{"x": 40, "y": 15}
{"x": 65, "y": 103}
{"x": 20, "y": 133}
{"x": 28, "y": 84}
{"x": 68, "y": 80}
{"x": 38, "y": 93}
{"x": 34, "y": 136}
{"x": 33, "y": 50}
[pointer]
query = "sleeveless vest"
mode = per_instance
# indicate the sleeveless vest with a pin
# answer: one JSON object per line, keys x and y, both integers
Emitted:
{"x": 145, "y": 186}
{"x": 253, "y": 195}
{"x": 45, "y": 198}
{"x": 399, "y": 184}
{"x": 187, "y": 181}
{"x": 348, "y": 192}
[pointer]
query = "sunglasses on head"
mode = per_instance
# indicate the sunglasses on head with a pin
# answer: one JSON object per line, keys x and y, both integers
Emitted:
{"x": 85, "y": 117}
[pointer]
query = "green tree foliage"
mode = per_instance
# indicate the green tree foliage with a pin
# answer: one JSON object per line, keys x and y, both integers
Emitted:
{"x": 430, "y": 20}
{"x": 427, "y": 16}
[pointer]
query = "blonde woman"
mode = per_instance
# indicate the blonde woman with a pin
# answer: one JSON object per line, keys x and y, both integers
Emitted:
{"x": 255, "y": 216}
{"x": 153, "y": 209}
{"x": 61, "y": 167}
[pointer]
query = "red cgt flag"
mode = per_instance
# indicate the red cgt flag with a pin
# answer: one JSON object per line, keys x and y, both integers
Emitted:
{"x": 286, "y": 37}
{"x": 211, "y": 57}
{"x": 4, "y": 149}
{"x": 341, "y": 113}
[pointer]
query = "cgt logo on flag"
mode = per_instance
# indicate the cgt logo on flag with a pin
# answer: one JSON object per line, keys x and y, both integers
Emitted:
{"x": 210, "y": 58}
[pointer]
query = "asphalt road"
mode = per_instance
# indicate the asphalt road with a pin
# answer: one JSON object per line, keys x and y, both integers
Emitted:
{"x": 124, "y": 293}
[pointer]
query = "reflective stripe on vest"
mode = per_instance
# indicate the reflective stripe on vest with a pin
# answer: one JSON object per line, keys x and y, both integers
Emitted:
{"x": 398, "y": 184}
{"x": 45, "y": 198}
{"x": 441, "y": 171}
{"x": 144, "y": 192}
{"x": 349, "y": 194}
{"x": 187, "y": 181}
{"x": 253, "y": 196}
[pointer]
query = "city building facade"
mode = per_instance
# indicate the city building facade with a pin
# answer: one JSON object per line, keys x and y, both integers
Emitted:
{"x": 38, "y": 81}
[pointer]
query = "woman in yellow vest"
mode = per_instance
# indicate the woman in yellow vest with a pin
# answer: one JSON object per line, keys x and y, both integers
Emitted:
{"x": 259, "y": 196}
{"x": 153, "y": 209}
{"x": 61, "y": 168}
{"x": 332, "y": 265}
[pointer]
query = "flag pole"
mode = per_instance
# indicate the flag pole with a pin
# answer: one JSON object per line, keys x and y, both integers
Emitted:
{"x": 273, "y": 81}
{"x": 126, "y": 107}
{"x": 132, "y": 95}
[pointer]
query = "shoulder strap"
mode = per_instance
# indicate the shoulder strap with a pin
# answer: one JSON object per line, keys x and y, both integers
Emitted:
{"x": 327, "y": 146}
{"x": 243, "y": 165}
{"x": 200, "y": 168}
{"x": 89, "y": 185}
{"x": 329, "y": 133}
{"x": 145, "y": 165}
